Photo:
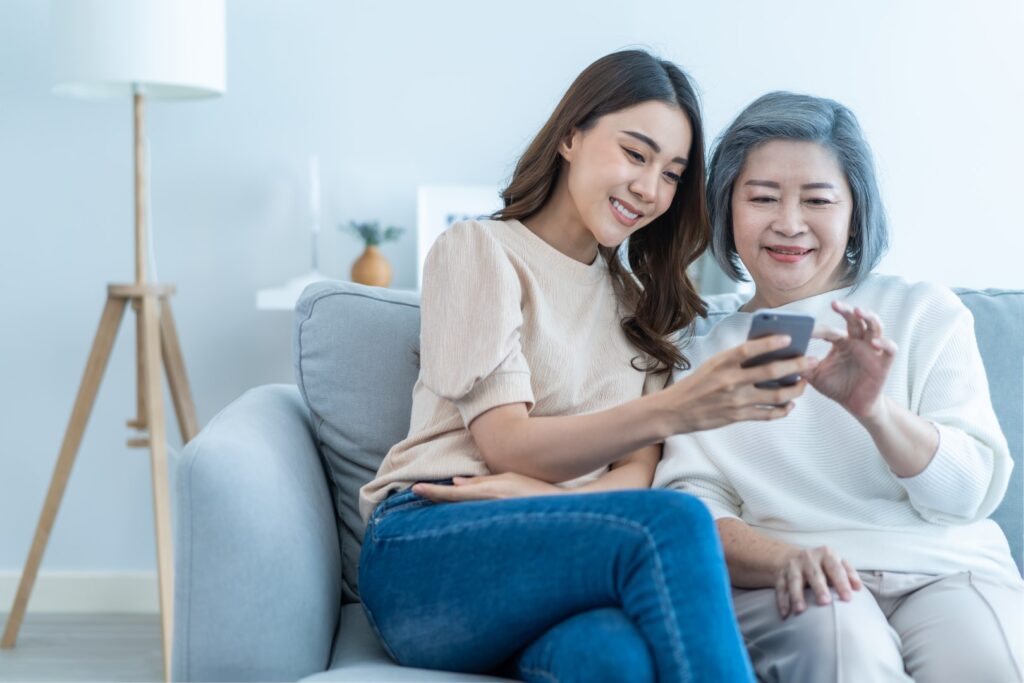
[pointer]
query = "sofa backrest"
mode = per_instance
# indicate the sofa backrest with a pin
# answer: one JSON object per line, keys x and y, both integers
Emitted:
{"x": 355, "y": 363}
{"x": 999, "y": 326}
{"x": 354, "y": 350}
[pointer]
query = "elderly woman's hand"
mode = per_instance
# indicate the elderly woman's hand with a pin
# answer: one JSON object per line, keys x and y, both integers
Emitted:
{"x": 854, "y": 371}
{"x": 817, "y": 568}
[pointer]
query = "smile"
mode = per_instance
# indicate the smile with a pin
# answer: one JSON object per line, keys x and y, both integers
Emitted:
{"x": 789, "y": 250}
{"x": 787, "y": 254}
{"x": 624, "y": 212}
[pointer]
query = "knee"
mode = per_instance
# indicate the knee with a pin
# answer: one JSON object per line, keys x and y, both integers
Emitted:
{"x": 974, "y": 660}
{"x": 663, "y": 510}
{"x": 675, "y": 526}
{"x": 842, "y": 639}
{"x": 679, "y": 523}
{"x": 687, "y": 509}
{"x": 840, "y": 624}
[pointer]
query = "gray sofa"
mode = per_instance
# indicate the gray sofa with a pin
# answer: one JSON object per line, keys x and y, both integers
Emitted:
{"x": 266, "y": 526}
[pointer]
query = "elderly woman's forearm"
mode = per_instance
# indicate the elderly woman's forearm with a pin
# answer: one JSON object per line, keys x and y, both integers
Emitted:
{"x": 908, "y": 442}
{"x": 752, "y": 558}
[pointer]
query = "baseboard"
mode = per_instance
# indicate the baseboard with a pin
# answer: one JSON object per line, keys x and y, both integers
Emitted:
{"x": 93, "y": 592}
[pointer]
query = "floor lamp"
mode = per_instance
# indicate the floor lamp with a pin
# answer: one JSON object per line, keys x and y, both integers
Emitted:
{"x": 164, "y": 49}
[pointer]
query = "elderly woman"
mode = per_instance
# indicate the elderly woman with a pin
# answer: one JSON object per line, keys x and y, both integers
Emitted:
{"x": 854, "y": 530}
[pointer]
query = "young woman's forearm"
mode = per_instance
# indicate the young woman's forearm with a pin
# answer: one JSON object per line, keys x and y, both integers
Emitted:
{"x": 557, "y": 449}
{"x": 721, "y": 391}
{"x": 753, "y": 559}
{"x": 633, "y": 472}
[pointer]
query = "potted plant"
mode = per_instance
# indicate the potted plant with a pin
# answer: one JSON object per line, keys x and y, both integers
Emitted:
{"x": 371, "y": 268}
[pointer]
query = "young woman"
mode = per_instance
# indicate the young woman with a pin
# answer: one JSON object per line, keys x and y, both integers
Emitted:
{"x": 856, "y": 532}
{"x": 543, "y": 366}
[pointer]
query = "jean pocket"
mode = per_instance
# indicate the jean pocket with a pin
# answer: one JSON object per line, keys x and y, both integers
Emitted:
{"x": 400, "y": 501}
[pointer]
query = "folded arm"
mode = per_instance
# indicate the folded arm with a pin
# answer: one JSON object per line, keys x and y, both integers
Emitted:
{"x": 635, "y": 471}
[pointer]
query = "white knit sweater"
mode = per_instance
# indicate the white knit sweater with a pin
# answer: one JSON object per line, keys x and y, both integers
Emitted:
{"x": 816, "y": 477}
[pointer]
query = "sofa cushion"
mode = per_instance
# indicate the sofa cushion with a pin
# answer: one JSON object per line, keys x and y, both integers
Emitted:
{"x": 359, "y": 656}
{"x": 354, "y": 350}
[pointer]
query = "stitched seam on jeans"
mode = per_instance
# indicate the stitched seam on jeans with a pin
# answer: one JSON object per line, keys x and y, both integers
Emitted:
{"x": 547, "y": 675}
{"x": 1002, "y": 630}
{"x": 678, "y": 650}
{"x": 380, "y": 637}
{"x": 677, "y": 645}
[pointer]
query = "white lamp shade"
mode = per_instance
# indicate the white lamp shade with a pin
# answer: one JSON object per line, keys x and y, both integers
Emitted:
{"x": 168, "y": 49}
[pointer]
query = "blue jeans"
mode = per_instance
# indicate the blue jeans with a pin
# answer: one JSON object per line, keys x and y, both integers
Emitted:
{"x": 621, "y": 586}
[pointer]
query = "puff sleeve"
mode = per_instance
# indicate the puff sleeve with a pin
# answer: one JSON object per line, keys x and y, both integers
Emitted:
{"x": 471, "y": 321}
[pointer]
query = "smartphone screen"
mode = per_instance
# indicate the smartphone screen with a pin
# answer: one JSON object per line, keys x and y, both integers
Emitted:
{"x": 768, "y": 323}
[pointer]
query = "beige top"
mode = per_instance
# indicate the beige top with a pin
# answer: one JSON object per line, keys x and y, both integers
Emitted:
{"x": 506, "y": 318}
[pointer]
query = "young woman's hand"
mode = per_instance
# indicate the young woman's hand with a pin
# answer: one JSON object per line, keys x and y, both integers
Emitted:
{"x": 488, "y": 487}
{"x": 721, "y": 392}
{"x": 854, "y": 371}
{"x": 818, "y": 568}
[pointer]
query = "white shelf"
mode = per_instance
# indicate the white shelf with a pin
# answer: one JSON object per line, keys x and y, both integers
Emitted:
{"x": 284, "y": 298}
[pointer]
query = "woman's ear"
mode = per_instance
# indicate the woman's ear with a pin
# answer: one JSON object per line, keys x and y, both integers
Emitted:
{"x": 570, "y": 143}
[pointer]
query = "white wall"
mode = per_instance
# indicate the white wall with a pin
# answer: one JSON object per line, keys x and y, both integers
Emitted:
{"x": 393, "y": 95}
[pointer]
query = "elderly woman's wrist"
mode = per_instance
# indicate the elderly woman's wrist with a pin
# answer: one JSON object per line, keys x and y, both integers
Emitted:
{"x": 783, "y": 557}
{"x": 878, "y": 417}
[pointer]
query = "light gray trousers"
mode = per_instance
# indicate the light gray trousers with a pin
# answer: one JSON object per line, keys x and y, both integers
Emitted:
{"x": 899, "y": 627}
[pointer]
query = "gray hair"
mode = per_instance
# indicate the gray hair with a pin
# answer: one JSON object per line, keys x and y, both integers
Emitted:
{"x": 789, "y": 116}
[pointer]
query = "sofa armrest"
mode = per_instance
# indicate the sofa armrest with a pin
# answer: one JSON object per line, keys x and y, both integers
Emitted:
{"x": 257, "y": 570}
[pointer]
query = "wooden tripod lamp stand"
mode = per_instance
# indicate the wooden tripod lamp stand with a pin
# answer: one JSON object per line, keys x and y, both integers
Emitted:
{"x": 167, "y": 49}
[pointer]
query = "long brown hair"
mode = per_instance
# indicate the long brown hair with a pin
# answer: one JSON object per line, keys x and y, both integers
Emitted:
{"x": 656, "y": 293}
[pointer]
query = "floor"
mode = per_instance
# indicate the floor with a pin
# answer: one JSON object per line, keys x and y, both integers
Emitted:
{"x": 84, "y": 647}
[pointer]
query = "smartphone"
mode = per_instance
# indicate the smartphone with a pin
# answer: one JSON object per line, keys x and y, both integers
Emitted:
{"x": 768, "y": 323}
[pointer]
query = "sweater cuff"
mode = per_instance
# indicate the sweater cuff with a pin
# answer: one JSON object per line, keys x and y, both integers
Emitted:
{"x": 497, "y": 389}
{"x": 713, "y": 501}
{"x": 955, "y": 480}
{"x": 719, "y": 511}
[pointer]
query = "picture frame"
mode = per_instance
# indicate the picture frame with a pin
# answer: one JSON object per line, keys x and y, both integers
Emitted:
{"x": 439, "y": 206}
